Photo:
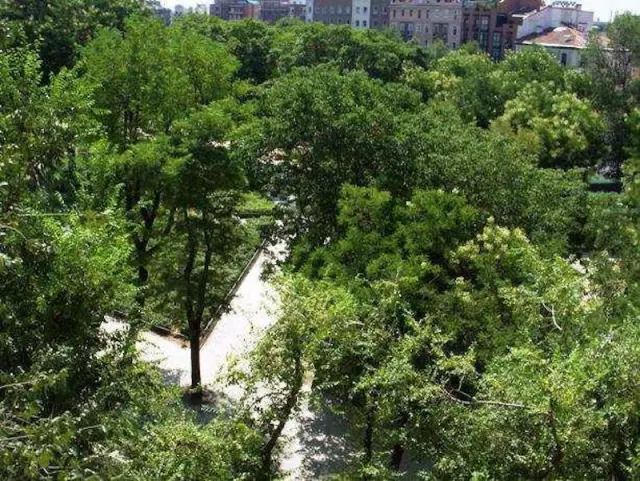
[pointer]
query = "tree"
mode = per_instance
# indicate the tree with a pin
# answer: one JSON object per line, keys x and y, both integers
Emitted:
{"x": 157, "y": 75}
{"x": 320, "y": 129}
{"x": 610, "y": 67}
{"x": 569, "y": 131}
{"x": 251, "y": 42}
{"x": 58, "y": 29}
{"x": 498, "y": 175}
{"x": 202, "y": 194}
{"x": 469, "y": 81}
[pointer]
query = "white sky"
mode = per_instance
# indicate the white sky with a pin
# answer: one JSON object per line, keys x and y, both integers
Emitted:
{"x": 602, "y": 8}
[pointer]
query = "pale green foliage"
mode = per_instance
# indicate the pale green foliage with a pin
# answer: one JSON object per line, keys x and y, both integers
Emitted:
{"x": 570, "y": 133}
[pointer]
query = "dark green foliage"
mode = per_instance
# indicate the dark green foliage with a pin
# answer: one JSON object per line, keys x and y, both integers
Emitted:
{"x": 321, "y": 129}
{"x": 452, "y": 291}
{"x": 58, "y": 29}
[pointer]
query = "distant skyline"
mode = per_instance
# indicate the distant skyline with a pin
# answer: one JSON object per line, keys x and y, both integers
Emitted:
{"x": 602, "y": 9}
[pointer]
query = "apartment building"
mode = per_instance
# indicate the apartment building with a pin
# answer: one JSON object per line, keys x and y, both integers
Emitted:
{"x": 357, "y": 13}
{"x": 229, "y": 9}
{"x": 160, "y": 12}
{"x": 562, "y": 28}
{"x": 428, "y": 20}
{"x": 273, "y": 10}
{"x": 494, "y": 25}
{"x": 335, "y": 12}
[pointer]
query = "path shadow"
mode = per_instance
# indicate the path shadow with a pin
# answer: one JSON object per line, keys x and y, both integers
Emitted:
{"x": 327, "y": 449}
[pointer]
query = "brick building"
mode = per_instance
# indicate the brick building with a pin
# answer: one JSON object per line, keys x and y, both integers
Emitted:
{"x": 495, "y": 28}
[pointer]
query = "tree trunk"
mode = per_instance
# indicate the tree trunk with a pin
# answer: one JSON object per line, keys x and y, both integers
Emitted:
{"x": 398, "y": 448}
{"x": 396, "y": 456}
{"x": 194, "y": 345}
{"x": 290, "y": 404}
{"x": 368, "y": 434}
{"x": 194, "y": 322}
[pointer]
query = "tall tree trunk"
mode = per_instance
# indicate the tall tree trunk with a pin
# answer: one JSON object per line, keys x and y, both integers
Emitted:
{"x": 287, "y": 409}
{"x": 398, "y": 449}
{"x": 194, "y": 346}
{"x": 189, "y": 300}
{"x": 368, "y": 433}
{"x": 396, "y": 456}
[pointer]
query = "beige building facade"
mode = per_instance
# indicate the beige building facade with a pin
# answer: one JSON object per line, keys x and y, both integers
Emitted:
{"x": 428, "y": 20}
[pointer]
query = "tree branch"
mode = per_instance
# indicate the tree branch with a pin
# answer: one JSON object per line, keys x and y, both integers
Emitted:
{"x": 553, "y": 315}
{"x": 473, "y": 401}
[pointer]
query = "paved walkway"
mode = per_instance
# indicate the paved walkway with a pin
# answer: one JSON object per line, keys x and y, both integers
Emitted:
{"x": 251, "y": 312}
{"x": 314, "y": 444}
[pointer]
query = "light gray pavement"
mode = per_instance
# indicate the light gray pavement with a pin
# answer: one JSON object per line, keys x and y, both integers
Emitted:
{"x": 251, "y": 312}
{"x": 313, "y": 444}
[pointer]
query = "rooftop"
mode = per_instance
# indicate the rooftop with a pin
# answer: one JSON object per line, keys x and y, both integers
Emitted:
{"x": 562, "y": 36}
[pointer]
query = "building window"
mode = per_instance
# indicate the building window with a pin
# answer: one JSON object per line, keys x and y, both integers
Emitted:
{"x": 482, "y": 40}
{"x": 411, "y": 12}
{"x": 364, "y": 10}
{"x": 357, "y": 9}
{"x": 357, "y": 23}
{"x": 563, "y": 59}
{"x": 455, "y": 30}
{"x": 419, "y": 13}
{"x": 402, "y": 12}
{"x": 384, "y": 10}
{"x": 375, "y": 10}
{"x": 364, "y": 23}
{"x": 394, "y": 14}
{"x": 419, "y": 27}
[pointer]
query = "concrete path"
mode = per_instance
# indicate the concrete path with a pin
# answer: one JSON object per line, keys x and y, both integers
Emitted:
{"x": 251, "y": 312}
{"x": 314, "y": 444}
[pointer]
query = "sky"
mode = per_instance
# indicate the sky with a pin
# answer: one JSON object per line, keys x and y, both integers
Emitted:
{"x": 602, "y": 8}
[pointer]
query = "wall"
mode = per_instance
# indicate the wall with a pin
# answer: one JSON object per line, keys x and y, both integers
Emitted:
{"x": 428, "y": 20}
{"x": 573, "y": 54}
{"x": 552, "y": 17}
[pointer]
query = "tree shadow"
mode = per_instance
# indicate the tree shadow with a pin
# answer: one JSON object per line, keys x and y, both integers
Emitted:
{"x": 212, "y": 404}
{"x": 326, "y": 445}
{"x": 171, "y": 376}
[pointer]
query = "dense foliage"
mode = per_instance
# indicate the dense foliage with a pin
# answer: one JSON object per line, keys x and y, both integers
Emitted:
{"x": 454, "y": 292}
